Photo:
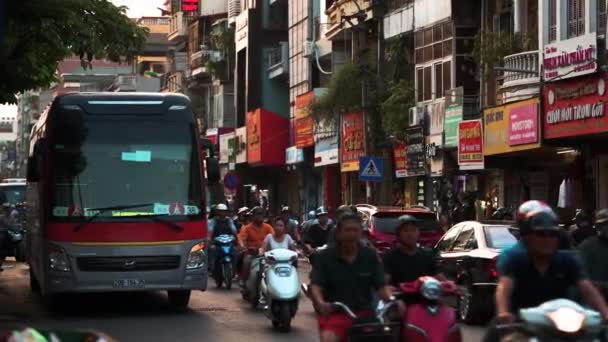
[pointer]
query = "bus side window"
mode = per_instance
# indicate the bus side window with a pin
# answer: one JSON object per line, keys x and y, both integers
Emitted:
{"x": 34, "y": 162}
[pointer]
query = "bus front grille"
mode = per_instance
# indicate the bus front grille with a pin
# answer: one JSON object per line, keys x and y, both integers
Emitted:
{"x": 125, "y": 264}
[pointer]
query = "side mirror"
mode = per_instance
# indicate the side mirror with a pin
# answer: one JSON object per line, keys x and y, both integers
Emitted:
{"x": 213, "y": 170}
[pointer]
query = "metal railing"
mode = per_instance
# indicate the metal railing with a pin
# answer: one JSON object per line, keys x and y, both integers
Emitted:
{"x": 178, "y": 25}
{"x": 173, "y": 83}
{"x": 525, "y": 61}
{"x": 197, "y": 60}
{"x": 154, "y": 21}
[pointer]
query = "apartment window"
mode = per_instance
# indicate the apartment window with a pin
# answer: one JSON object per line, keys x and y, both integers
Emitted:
{"x": 433, "y": 81}
{"x": 433, "y": 43}
{"x": 419, "y": 85}
{"x": 428, "y": 85}
{"x": 552, "y": 20}
{"x": 576, "y": 18}
{"x": 601, "y": 16}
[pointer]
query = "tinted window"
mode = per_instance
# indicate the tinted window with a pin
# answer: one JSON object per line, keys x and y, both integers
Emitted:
{"x": 387, "y": 222}
{"x": 448, "y": 238}
{"x": 500, "y": 237}
{"x": 463, "y": 238}
{"x": 104, "y": 163}
{"x": 12, "y": 194}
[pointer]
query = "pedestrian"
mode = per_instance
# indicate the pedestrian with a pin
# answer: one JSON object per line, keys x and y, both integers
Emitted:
{"x": 594, "y": 252}
{"x": 582, "y": 227}
{"x": 444, "y": 221}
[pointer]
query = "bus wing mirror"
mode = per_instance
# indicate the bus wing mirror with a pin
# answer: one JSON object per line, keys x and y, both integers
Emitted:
{"x": 213, "y": 171}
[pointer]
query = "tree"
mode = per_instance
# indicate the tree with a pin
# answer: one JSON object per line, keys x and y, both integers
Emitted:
{"x": 396, "y": 107}
{"x": 41, "y": 33}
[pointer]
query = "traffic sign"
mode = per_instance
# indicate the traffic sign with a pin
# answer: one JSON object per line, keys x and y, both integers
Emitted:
{"x": 231, "y": 181}
{"x": 371, "y": 169}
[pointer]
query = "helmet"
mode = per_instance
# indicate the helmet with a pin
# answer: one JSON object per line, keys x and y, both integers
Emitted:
{"x": 311, "y": 214}
{"x": 221, "y": 207}
{"x": 257, "y": 211}
{"x": 285, "y": 209}
{"x": 321, "y": 211}
{"x": 601, "y": 216}
{"x": 243, "y": 210}
{"x": 404, "y": 219}
{"x": 580, "y": 216}
{"x": 536, "y": 216}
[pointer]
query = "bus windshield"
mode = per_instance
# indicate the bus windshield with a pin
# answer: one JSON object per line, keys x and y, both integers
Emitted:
{"x": 106, "y": 163}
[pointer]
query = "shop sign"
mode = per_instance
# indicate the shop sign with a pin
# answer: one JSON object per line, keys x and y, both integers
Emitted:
{"x": 353, "y": 141}
{"x": 304, "y": 121}
{"x": 400, "y": 158}
{"x": 436, "y": 160}
{"x": 436, "y": 111}
{"x": 570, "y": 58}
{"x": 240, "y": 150}
{"x": 576, "y": 107}
{"x": 510, "y": 128}
{"x": 453, "y": 115}
{"x": 190, "y": 5}
{"x": 294, "y": 155}
{"x": 267, "y": 138}
{"x": 242, "y": 28}
{"x": 226, "y": 147}
{"x": 326, "y": 143}
{"x": 415, "y": 151}
{"x": 470, "y": 145}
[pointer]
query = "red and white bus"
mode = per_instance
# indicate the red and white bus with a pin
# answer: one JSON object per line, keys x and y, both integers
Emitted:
{"x": 115, "y": 198}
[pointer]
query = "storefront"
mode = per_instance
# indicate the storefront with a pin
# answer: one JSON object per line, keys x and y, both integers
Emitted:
{"x": 352, "y": 148}
{"x": 327, "y": 160}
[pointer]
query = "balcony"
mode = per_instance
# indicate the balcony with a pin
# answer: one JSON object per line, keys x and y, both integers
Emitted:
{"x": 173, "y": 83}
{"x": 342, "y": 8}
{"x": 278, "y": 61}
{"x": 178, "y": 26}
{"x": 525, "y": 61}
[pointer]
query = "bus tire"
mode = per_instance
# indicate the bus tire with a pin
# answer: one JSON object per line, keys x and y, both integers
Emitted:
{"x": 179, "y": 298}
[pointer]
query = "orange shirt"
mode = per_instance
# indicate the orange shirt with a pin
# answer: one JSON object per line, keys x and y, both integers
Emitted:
{"x": 253, "y": 237}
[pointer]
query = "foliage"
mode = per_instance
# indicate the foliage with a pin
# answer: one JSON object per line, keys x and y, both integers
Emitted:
{"x": 395, "y": 108}
{"x": 222, "y": 40}
{"x": 343, "y": 94}
{"x": 399, "y": 59}
{"x": 497, "y": 45}
{"x": 40, "y": 33}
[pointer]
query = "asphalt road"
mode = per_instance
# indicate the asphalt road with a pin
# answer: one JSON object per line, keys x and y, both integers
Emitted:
{"x": 216, "y": 314}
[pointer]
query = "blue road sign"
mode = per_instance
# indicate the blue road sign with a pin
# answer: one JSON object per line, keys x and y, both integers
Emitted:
{"x": 371, "y": 169}
{"x": 231, "y": 181}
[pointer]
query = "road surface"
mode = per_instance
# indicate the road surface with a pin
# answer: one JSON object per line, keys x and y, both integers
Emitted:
{"x": 216, "y": 313}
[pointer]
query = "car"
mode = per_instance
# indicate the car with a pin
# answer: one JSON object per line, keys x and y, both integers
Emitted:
{"x": 380, "y": 224}
{"x": 12, "y": 192}
{"x": 467, "y": 254}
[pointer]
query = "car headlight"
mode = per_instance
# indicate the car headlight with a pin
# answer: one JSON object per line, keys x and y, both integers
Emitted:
{"x": 58, "y": 259}
{"x": 197, "y": 257}
{"x": 567, "y": 320}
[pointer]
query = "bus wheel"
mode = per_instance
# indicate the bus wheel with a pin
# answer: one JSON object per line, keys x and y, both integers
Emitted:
{"x": 179, "y": 299}
{"x": 34, "y": 284}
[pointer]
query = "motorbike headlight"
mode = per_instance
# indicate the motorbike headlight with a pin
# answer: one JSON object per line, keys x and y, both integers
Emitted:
{"x": 197, "y": 257}
{"x": 58, "y": 259}
{"x": 567, "y": 320}
{"x": 431, "y": 289}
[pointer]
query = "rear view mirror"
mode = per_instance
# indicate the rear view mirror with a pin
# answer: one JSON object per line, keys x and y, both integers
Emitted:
{"x": 213, "y": 170}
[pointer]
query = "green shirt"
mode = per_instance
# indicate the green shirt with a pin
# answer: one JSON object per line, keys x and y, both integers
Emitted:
{"x": 352, "y": 284}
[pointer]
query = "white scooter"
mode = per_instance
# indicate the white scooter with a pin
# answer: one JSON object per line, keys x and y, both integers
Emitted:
{"x": 280, "y": 287}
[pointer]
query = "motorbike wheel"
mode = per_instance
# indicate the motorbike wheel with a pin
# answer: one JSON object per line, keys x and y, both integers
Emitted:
{"x": 284, "y": 317}
{"x": 218, "y": 275}
{"x": 228, "y": 275}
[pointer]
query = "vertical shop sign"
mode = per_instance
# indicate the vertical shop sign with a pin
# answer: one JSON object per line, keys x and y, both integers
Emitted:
{"x": 353, "y": 141}
{"x": 400, "y": 157}
{"x": 523, "y": 125}
{"x": 304, "y": 121}
{"x": 453, "y": 115}
{"x": 415, "y": 151}
{"x": 470, "y": 145}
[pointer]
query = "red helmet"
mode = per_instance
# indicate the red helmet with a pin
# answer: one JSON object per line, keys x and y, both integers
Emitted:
{"x": 536, "y": 215}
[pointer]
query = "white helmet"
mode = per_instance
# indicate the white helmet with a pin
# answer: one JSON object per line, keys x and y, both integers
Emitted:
{"x": 221, "y": 207}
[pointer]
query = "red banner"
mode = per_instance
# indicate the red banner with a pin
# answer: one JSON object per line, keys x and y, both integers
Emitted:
{"x": 304, "y": 122}
{"x": 400, "y": 157}
{"x": 576, "y": 107}
{"x": 353, "y": 141}
{"x": 189, "y": 5}
{"x": 470, "y": 145}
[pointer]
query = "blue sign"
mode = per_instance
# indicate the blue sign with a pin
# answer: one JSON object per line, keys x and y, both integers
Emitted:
{"x": 371, "y": 169}
{"x": 231, "y": 181}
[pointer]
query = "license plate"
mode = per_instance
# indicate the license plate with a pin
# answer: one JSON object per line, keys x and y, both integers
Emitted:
{"x": 129, "y": 283}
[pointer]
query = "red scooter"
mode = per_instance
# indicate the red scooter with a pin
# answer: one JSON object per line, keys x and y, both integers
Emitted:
{"x": 427, "y": 319}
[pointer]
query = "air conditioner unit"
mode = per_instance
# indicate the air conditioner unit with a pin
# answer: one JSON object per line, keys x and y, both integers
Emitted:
{"x": 415, "y": 116}
{"x": 308, "y": 49}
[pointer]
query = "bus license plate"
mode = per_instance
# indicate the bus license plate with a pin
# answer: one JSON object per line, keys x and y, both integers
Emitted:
{"x": 129, "y": 283}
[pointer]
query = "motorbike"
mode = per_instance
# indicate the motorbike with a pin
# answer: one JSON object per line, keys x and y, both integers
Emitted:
{"x": 11, "y": 242}
{"x": 556, "y": 320}
{"x": 280, "y": 287}
{"x": 250, "y": 292}
{"x": 305, "y": 287}
{"x": 371, "y": 328}
{"x": 427, "y": 319}
{"x": 30, "y": 334}
{"x": 223, "y": 270}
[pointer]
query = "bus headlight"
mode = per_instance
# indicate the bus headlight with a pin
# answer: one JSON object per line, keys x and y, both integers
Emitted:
{"x": 197, "y": 257}
{"x": 58, "y": 259}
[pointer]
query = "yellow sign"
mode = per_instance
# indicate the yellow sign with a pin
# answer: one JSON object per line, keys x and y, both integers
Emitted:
{"x": 496, "y": 125}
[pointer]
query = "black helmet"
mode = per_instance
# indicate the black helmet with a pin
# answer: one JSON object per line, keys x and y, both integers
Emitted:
{"x": 285, "y": 209}
{"x": 405, "y": 219}
{"x": 536, "y": 216}
{"x": 580, "y": 216}
{"x": 257, "y": 211}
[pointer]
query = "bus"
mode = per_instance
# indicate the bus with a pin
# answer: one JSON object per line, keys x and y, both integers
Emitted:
{"x": 115, "y": 198}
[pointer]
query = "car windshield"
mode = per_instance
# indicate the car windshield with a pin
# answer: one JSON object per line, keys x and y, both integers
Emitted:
{"x": 104, "y": 164}
{"x": 386, "y": 222}
{"x": 500, "y": 237}
{"x": 12, "y": 194}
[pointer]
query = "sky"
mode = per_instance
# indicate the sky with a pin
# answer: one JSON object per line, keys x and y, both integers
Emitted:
{"x": 8, "y": 110}
{"x": 141, "y": 8}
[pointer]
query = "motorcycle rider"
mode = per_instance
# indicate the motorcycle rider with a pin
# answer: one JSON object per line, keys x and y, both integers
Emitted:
{"x": 594, "y": 252}
{"x": 251, "y": 238}
{"x": 220, "y": 224}
{"x": 280, "y": 238}
{"x": 347, "y": 273}
{"x": 291, "y": 225}
{"x": 534, "y": 270}
{"x": 317, "y": 234}
{"x": 582, "y": 227}
{"x": 242, "y": 218}
{"x": 407, "y": 262}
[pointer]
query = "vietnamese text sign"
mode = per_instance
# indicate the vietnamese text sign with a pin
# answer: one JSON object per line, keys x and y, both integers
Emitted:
{"x": 570, "y": 58}
{"x": 304, "y": 121}
{"x": 453, "y": 115}
{"x": 241, "y": 145}
{"x": 470, "y": 145}
{"x": 226, "y": 147}
{"x": 415, "y": 151}
{"x": 575, "y": 107}
{"x": 353, "y": 141}
{"x": 523, "y": 125}
{"x": 497, "y": 130}
{"x": 400, "y": 158}
{"x": 326, "y": 143}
